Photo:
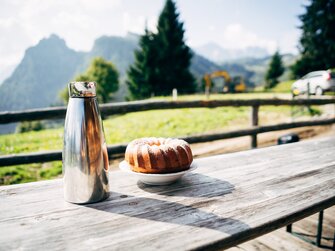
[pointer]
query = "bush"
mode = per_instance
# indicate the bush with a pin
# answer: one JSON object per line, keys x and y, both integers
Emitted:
{"x": 28, "y": 126}
{"x": 53, "y": 170}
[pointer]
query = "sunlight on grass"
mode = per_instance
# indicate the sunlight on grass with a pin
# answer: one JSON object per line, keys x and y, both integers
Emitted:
{"x": 124, "y": 128}
{"x": 169, "y": 123}
{"x": 283, "y": 87}
{"x": 261, "y": 95}
{"x": 31, "y": 141}
{"x": 31, "y": 172}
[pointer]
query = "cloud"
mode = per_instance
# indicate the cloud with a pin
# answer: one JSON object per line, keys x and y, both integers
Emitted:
{"x": 133, "y": 24}
{"x": 212, "y": 28}
{"x": 289, "y": 41}
{"x": 23, "y": 24}
{"x": 13, "y": 41}
{"x": 237, "y": 37}
{"x": 136, "y": 24}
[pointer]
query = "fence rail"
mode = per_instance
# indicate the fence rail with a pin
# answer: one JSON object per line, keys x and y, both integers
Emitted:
{"x": 125, "y": 107}
{"x": 120, "y": 108}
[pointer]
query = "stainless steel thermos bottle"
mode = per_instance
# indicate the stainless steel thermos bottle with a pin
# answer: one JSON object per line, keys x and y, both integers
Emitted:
{"x": 85, "y": 157}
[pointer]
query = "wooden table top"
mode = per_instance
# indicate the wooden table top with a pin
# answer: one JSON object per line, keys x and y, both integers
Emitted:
{"x": 229, "y": 199}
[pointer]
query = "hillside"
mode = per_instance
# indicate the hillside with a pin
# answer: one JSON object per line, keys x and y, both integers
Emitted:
{"x": 119, "y": 50}
{"x": 250, "y": 62}
{"x": 259, "y": 66}
{"x": 41, "y": 74}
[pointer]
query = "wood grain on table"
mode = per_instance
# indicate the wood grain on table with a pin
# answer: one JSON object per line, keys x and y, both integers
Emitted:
{"x": 229, "y": 199}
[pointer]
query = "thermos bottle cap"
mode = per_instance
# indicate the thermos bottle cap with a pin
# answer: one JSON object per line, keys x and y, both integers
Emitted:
{"x": 82, "y": 89}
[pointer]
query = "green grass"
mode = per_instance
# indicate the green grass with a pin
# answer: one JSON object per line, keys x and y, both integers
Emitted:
{"x": 251, "y": 95}
{"x": 31, "y": 141}
{"x": 283, "y": 87}
{"x": 124, "y": 128}
{"x": 170, "y": 123}
{"x": 28, "y": 173}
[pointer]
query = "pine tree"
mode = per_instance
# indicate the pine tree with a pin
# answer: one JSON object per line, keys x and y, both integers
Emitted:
{"x": 163, "y": 60}
{"x": 141, "y": 76}
{"x": 174, "y": 57}
{"x": 317, "y": 43}
{"x": 275, "y": 70}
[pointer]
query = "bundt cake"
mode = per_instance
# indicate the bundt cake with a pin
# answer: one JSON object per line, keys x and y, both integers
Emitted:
{"x": 158, "y": 155}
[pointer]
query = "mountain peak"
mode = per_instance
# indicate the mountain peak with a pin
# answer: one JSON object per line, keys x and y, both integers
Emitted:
{"x": 47, "y": 46}
{"x": 211, "y": 45}
{"x": 53, "y": 39}
{"x": 54, "y": 36}
{"x": 133, "y": 36}
{"x": 220, "y": 54}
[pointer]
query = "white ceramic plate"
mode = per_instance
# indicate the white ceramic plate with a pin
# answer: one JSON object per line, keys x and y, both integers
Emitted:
{"x": 156, "y": 179}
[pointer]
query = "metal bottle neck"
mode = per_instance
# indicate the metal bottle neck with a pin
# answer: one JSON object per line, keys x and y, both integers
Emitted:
{"x": 82, "y": 89}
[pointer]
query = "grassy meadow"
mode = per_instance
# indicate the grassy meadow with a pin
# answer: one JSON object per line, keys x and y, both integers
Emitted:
{"x": 126, "y": 127}
{"x": 283, "y": 87}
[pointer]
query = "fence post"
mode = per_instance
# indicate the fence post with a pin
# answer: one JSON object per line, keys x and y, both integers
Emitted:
{"x": 254, "y": 122}
{"x": 207, "y": 91}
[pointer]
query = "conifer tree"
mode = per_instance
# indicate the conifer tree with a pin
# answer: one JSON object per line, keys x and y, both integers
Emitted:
{"x": 275, "y": 70}
{"x": 163, "y": 60}
{"x": 317, "y": 43}
{"x": 141, "y": 76}
{"x": 174, "y": 56}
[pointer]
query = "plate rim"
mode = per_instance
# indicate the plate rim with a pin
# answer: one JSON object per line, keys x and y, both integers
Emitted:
{"x": 124, "y": 166}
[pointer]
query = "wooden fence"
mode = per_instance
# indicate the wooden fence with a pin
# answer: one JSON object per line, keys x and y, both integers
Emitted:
{"x": 121, "y": 108}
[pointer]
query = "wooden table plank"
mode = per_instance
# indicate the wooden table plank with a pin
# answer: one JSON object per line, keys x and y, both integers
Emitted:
{"x": 275, "y": 241}
{"x": 229, "y": 199}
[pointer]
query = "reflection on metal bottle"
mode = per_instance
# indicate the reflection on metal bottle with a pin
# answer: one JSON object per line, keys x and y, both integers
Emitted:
{"x": 85, "y": 157}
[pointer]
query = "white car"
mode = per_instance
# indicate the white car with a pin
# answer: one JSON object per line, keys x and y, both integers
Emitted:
{"x": 317, "y": 82}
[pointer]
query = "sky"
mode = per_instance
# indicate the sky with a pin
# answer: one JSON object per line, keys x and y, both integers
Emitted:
{"x": 234, "y": 24}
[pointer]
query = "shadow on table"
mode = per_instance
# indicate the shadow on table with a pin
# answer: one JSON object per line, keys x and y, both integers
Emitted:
{"x": 189, "y": 214}
{"x": 194, "y": 185}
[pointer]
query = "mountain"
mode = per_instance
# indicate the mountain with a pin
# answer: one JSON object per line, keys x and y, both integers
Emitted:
{"x": 259, "y": 67}
{"x": 235, "y": 69}
{"x": 251, "y": 62}
{"x": 6, "y": 71}
{"x": 41, "y": 74}
{"x": 201, "y": 65}
{"x": 219, "y": 54}
{"x": 119, "y": 50}
{"x": 47, "y": 67}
